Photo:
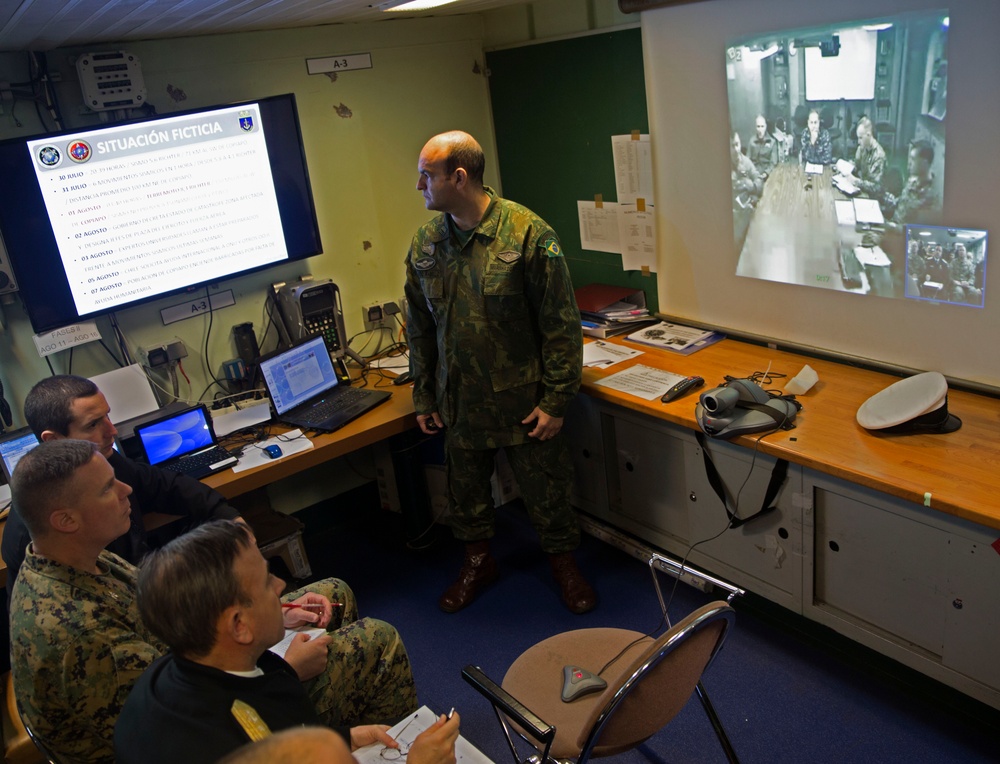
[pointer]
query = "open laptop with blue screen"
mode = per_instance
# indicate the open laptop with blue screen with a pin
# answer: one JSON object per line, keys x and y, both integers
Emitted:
{"x": 14, "y": 445}
{"x": 184, "y": 442}
{"x": 306, "y": 392}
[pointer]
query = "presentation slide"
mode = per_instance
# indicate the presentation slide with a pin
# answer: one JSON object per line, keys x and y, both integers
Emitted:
{"x": 144, "y": 209}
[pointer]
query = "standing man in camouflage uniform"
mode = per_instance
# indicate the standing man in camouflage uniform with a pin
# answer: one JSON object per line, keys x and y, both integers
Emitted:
{"x": 78, "y": 643}
{"x": 496, "y": 355}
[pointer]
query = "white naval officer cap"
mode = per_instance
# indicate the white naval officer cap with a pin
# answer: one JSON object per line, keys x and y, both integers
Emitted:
{"x": 912, "y": 405}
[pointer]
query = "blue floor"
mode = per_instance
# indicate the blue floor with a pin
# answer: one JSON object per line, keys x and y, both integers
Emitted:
{"x": 780, "y": 698}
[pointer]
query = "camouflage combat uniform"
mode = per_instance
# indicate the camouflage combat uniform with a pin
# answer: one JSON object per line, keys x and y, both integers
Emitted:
{"x": 368, "y": 678}
{"x": 494, "y": 331}
{"x": 917, "y": 203}
{"x": 78, "y": 645}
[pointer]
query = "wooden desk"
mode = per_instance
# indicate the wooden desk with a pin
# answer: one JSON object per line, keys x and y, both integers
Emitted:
{"x": 960, "y": 470}
{"x": 390, "y": 418}
{"x": 888, "y": 539}
{"x": 793, "y": 236}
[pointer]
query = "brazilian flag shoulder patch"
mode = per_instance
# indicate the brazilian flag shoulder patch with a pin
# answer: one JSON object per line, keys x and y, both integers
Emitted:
{"x": 552, "y": 247}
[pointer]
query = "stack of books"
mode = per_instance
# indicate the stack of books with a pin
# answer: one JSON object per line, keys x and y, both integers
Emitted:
{"x": 607, "y": 310}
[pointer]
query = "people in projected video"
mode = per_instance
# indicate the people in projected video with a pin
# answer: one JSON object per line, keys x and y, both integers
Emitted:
{"x": 962, "y": 273}
{"x": 918, "y": 201}
{"x": 763, "y": 148}
{"x": 747, "y": 182}
{"x": 817, "y": 148}
{"x": 935, "y": 278}
{"x": 869, "y": 161}
{"x": 914, "y": 268}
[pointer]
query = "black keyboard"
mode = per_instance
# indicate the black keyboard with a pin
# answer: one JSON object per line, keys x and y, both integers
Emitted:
{"x": 203, "y": 462}
{"x": 349, "y": 396}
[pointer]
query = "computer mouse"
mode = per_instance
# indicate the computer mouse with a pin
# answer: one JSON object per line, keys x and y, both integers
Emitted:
{"x": 403, "y": 379}
{"x": 272, "y": 452}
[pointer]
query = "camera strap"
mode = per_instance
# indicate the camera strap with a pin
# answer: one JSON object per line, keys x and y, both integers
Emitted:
{"x": 778, "y": 474}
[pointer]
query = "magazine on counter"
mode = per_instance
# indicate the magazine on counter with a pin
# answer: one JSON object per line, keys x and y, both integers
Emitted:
{"x": 671, "y": 336}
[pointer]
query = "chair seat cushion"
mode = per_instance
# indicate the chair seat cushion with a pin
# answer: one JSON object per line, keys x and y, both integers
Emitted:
{"x": 536, "y": 678}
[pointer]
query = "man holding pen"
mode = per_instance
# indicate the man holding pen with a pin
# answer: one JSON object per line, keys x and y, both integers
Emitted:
{"x": 210, "y": 597}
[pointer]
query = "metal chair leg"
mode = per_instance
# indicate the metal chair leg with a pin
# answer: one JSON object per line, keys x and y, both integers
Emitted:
{"x": 713, "y": 717}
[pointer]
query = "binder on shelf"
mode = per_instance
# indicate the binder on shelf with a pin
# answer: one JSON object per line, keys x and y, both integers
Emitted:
{"x": 607, "y": 310}
{"x": 602, "y": 298}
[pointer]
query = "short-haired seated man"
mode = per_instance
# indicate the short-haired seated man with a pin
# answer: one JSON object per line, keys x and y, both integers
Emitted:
{"x": 211, "y": 597}
{"x": 68, "y": 406}
{"x": 78, "y": 643}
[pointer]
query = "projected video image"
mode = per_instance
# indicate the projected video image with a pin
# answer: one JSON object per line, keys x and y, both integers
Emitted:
{"x": 837, "y": 144}
{"x": 946, "y": 265}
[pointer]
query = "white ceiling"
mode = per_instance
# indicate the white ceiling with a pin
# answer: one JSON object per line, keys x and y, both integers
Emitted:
{"x": 40, "y": 25}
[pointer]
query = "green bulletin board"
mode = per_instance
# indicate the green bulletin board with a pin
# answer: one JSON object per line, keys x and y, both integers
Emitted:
{"x": 555, "y": 107}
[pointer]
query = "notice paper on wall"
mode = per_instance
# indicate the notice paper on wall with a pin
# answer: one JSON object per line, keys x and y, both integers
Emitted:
{"x": 599, "y": 226}
{"x": 633, "y": 167}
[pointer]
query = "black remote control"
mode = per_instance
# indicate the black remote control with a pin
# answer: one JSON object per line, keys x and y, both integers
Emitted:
{"x": 685, "y": 385}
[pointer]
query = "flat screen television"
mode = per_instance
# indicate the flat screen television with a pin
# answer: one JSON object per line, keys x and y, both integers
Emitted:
{"x": 103, "y": 218}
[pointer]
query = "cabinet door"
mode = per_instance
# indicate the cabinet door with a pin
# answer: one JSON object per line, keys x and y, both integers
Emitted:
{"x": 646, "y": 488}
{"x": 765, "y": 555}
{"x": 972, "y": 622}
{"x": 877, "y": 562}
{"x": 582, "y": 428}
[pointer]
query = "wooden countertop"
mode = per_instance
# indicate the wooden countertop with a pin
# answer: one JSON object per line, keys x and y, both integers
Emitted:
{"x": 394, "y": 416}
{"x": 960, "y": 471}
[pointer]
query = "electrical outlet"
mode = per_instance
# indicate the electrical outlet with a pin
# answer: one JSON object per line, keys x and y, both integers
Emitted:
{"x": 374, "y": 315}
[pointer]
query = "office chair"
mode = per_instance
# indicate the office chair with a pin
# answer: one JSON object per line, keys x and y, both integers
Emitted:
{"x": 649, "y": 680}
{"x": 21, "y": 746}
{"x": 885, "y": 130}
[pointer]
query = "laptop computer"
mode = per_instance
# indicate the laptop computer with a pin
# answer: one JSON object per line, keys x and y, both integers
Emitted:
{"x": 184, "y": 442}
{"x": 306, "y": 392}
{"x": 14, "y": 445}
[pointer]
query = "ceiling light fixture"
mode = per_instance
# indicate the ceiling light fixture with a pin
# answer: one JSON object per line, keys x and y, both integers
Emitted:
{"x": 413, "y": 5}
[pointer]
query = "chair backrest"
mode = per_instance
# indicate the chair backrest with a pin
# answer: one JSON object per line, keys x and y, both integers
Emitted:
{"x": 657, "y": 684}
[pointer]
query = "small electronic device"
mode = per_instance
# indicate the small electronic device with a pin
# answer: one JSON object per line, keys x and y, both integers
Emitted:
{"x": 184, "y": 442}
{"x": 685, "y": 385}
{"x": 403, "y": 379}
{"x": 272, "y": 452}
{"x": 578, "y": 681}
{"x": 311, "y": 308}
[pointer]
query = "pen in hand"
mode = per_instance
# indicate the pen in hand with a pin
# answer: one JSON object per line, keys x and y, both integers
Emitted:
{"x": 309, "y": 605}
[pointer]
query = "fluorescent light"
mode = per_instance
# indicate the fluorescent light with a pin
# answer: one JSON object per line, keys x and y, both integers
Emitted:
{"x": 876, "y": 27}
{"x": 415, "y": 5}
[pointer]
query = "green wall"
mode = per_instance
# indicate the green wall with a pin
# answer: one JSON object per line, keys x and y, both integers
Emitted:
{"x": 555, "y": 107}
